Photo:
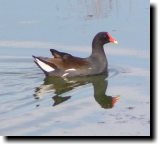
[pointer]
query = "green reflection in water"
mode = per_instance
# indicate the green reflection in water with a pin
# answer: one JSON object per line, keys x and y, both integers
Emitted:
{"x": 64, "y": 85}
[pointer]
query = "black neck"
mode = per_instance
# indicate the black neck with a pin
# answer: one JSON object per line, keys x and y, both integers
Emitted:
{"x": 97, "y": 49}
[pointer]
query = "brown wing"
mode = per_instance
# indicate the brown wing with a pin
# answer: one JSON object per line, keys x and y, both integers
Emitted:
{"x": 68, "y": 61}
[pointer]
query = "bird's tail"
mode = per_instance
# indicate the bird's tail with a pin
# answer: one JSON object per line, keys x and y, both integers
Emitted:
{"x": 44, "y": 64}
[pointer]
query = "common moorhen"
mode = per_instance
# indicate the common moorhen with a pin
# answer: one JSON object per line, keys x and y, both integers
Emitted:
{"x": 65, "y": 65}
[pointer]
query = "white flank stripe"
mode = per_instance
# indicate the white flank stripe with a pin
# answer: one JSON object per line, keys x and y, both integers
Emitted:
{"x": 65, "y": 74}
{"x": 44, "y": 66}
{"x": 71, "y": 69}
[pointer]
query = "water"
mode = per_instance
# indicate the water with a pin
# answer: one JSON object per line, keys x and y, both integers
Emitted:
{"x": 31, "y": 104}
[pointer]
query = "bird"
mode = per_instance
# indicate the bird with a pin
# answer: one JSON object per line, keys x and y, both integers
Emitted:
{"x": 65, "y": 65}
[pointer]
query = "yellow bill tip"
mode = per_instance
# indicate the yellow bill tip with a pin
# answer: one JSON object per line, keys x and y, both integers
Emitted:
{"x": 115, "y": 42}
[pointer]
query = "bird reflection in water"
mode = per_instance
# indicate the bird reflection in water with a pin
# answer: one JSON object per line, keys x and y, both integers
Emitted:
{"x": 64, "y": 85}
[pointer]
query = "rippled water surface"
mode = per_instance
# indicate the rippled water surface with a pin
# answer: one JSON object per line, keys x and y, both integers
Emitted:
{"x": 31, "y": 104}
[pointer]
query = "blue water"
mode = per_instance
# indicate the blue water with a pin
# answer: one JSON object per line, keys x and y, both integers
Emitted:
{"x": 39, "y": 106}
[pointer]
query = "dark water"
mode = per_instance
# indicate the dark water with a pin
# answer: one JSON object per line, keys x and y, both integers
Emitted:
{"x": 31, "y": 104}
